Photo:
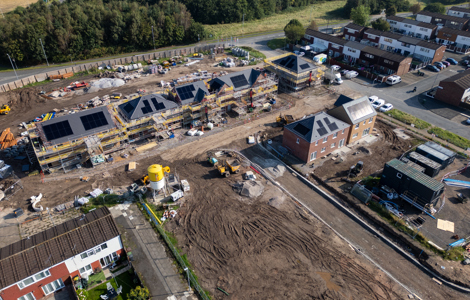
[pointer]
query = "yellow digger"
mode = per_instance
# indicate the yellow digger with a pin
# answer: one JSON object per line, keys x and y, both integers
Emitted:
{"x": 284, "y": 120}
{"x": 4, "y": 110}
{"x": 220, "y": 166}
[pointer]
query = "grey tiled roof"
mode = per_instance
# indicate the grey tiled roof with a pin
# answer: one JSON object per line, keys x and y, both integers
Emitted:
{"x": 135, "y": 109}
{"x": 462, "y": 79}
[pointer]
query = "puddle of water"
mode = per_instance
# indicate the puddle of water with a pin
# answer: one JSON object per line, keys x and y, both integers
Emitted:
{"x": 329, "y": 284}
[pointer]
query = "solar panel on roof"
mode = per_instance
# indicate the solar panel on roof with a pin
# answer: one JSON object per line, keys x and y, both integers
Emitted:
{"x": 147, "y": 108}
{"x": 93, "y": 121}
{"x": 301, "y": 129}
{"x": 157, "y": 105}
{"x": 333, "y": 126}
{"x": 57, "y": 130}
{"x": 326, "y": 121}
{"x": 185, "y": 92}
{"x": 191, "y": 88}
{"x": 216, "y": 85}
{"x": 239, "y": 81}
{"x": 320, "y": 124}
{"x": 304, "y": 66}
{"x": 322, "y": 131}
{"x": 128, "y": 108}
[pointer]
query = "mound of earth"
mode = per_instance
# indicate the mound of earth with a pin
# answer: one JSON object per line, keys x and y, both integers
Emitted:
{"x": 250, "y": 189}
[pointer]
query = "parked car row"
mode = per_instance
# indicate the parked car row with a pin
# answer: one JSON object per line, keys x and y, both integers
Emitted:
{"x": 380, "y": 104}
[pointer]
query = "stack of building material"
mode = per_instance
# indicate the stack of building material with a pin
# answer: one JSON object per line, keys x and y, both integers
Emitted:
{"x": 7, "y": 139}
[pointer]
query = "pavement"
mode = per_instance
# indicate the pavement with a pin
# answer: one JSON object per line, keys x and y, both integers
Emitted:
{"x": 150, "y": 258}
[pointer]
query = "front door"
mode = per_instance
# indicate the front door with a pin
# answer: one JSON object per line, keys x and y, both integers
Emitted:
{"x": 341, "y": 143}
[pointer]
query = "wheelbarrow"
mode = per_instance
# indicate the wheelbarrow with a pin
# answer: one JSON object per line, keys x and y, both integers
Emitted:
{"x": 462, "y": 198}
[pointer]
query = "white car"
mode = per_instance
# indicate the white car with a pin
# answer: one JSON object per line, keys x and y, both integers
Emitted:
{"x": 394, "y": 79}
{"x": 386, "y": 107}
{"x": 372, "y": 99}
{"x": 378, "y": 103}
{"x": 335, "y": 67}
{"x": 344, "y": 71}
{"x": 351, "y": 74}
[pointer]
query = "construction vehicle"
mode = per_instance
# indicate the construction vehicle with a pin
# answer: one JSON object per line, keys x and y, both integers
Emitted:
{"x": 233, "y": 166}
{"x": 220, "y": 166}
{"x": 284, "y": 120}
{"x": 4, "y": 110}
{"x": 198, "y": 56}
{"x": 116, "y": 96}
{"x": 356, "y": 169}
{"x": 145, "y": 180}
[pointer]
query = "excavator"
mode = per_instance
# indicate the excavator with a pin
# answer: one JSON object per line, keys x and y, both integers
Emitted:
{"x": 220, "y": 166}
{"x": 4, "y": 110}
{"x": 284, "y": 120}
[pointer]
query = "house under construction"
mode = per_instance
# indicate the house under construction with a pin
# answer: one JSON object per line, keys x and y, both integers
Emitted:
{"x": 68, "y": 141}
{"x": 294, "y": 72}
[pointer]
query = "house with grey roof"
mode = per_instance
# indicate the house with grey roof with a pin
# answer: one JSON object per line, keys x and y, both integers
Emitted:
{"x": 413, "y": 28}
{"x": 315, "y": 136}
{"x": 145, "y": 106}
{"x": 458, "y": 11}
{"x": 442, "y": 20}
{"x": 455, "y": 90}
{"x": 359, "y": 114}
{"x": 189, "y": 93}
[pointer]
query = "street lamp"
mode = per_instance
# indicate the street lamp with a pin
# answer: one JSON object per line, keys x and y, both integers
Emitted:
{"x": 187, "y": 272}
{"x": 198, "y": 39}
{"x": 12, "y": 66}
{"x": 71, "y": 58}
{"x": 153, "y": 37}
{"x": 44, "y": 51}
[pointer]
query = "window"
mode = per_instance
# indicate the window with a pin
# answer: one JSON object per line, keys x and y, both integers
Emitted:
{"x": 371, "y": 119}
{"x": 325, "y": 139}
{"x": 298, "y": 141}
{"x": 333, "y": 145}
{"x": 104, "y": 246}
{"x": 91, "y": 253}
{"x": 366, "y": 132}
{"x": 399, "y": 175}
{"x": 83, "y": 255}
{"x": 357, "y": 126}
{"x": 323, "y": 149}
{"x": 29, "y": 296}
{"x": 85, "y": 269}
{"x": 316, "y": 143}
{"x": 53, "y": 286}
{"x": 335, "y": 135}
{"x": 34, "y": 278}
{"x": 364, "y": 122}
{"x": 355, "y": 135}
{"x": 343, "y": 131}
{"x": 313, "y": 155}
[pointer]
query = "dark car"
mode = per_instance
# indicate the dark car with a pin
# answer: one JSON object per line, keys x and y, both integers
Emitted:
{"x": 432, "y": 68}
{"x": 465, "y": 62}
{"x": 452, "y": 61}
{"x": 439, "y": 65}
{"x": 446, "y": 63}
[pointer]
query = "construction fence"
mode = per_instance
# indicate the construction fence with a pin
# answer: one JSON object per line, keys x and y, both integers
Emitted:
{"x": 111, "y": 62}
{"x": 195, "y": 285}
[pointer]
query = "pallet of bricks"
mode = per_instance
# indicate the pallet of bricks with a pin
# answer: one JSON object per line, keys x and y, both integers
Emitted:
{"x": 7, "y": 139}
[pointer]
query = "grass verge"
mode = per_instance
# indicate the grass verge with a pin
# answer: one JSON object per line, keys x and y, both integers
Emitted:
{"x": 276, "y": 43}
{"x": 408, "y": 119}
{"x": 125, "y": 280}
{"x": 450, "y": 137}
{"x": 254, "y": 53}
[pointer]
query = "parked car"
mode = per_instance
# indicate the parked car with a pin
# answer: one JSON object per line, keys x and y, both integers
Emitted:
{"x": 378, "y": 103}
{"x": 386, "y": 107}
{"x": 439, "y": 65}
{"x": 335, "y": 67}
{"x": 468, "y": 121}
{"x": 372, "y": 99}
{"x": 452, "y": 61}
{"x": 344, "y": 71}
{"x": 446, "y": 63}
{"x": 465, "y": 62}
{"x": 432, "y": 68}
{"x": 394, "y": 79}
{"x": 351, "y": 74}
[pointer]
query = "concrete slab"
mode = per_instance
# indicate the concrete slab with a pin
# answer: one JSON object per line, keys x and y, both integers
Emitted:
{"x": 368, "y": 139}
{"x": 400, "y": 133}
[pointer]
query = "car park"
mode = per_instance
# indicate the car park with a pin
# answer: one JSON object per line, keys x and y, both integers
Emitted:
{"x": 452, "y": 61}
{"x": 351, "y": 74}
{"x": 394, "y": 79}
{"x": 432, "y": 68}
{"x": 446, "y": 63}
{"x": 386, "y": 107}
{"x": 372, "y": 99}
{"x": 378, "y": 103}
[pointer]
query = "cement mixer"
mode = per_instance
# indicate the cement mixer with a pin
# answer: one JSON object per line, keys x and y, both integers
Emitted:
{"x": 157, "y": 177}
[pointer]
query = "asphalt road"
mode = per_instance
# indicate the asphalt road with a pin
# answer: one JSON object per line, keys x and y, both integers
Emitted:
{"x": 402, "y": 98}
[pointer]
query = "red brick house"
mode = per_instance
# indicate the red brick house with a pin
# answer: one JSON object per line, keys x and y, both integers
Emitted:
{"x": 46, "y": 262}
{"x": 353, "y": 32}
{"x": 315, "y": 136}
{"x": 455, "y": 90}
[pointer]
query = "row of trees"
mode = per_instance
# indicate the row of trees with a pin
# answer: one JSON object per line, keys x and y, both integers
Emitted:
{"x": 81, "y": 29}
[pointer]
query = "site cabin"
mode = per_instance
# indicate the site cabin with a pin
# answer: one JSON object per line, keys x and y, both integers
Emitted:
{"x": 434, "y": 155}
{"x": 431, "y": 168}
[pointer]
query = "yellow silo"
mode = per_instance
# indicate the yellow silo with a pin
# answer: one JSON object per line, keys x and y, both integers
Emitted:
{"x": 156, "y": 176}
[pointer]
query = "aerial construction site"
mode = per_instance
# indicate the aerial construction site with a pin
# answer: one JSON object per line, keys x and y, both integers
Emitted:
{"x": 194, "y": 151}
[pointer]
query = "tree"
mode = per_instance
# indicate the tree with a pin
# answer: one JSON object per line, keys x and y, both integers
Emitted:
{"x": 294, "y": 31}
{"x": 313, "y": 25}
{"x": 436, "y": 8}
{"x": 381, "y": 24}
{"x": 194, "y": 31}
{"x": 415, "y": 8}
{"x": 391, "y": 11}
{"x": 360, "y": 15}
{"x": 138, "y": 293}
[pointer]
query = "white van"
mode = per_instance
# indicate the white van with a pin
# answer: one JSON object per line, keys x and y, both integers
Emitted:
{"x": 393, "y": 80}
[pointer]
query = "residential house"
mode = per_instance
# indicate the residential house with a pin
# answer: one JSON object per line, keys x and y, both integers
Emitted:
{"x": 455, "y": 90}
{"x": 315, "y": 136}
{"x": 453, "y": 39}
{"x": 359, "y": 114}
{"x": 46, "y": 262}
{"x": 420, "y": 30}
{"x": 457, "y": 11}
{"x": 442, "y": 20}
{"x": 353, "y": 32}
{"x": 333, "y": 44}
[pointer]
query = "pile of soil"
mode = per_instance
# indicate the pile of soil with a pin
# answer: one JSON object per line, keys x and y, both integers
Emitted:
{"x": 250, "y": 189}
{"x": 271, "y": 165}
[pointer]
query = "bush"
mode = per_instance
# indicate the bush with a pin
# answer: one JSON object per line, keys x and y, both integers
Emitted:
{"x": 408, "y": 119}
{"x": 450, "y": 137}
{"x": 138, "y": 293}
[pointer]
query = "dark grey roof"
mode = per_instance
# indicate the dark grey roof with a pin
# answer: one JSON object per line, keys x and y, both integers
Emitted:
{"x": 374, "y": 31}
{"x": 188, "y": 92}
{"x": 427, "y": 161}
{"x": 409, "y": 171}
{"x": 52, "y": 246}
{"x": 355, "y": 26}
{"x": 461, "y": 9}
{"x": 359, "y": 110}
{"x": 342, "y": 99}
{"x": 355, "y": 45}
{"x": 326, "y": 37}
{"x": 433, "y": 152}
{"x": 316, "y": 127}
{"x": 429, "y": 45}
{"x": 76, "y": 125}
{"x": 236, "y": 79}
{"x": 427, "y": 25}
{"x": 145, "y": 106}
{"x": 454, "y": 31}
{"x": 391, "y": 35}
{"x": 409, "y": 40}
{"x": 441, "y": 16}
{"x": 441, "y": 149}
{"x": 461, "y": 79}
{"x": 384, "y": 54}
{"x": 403, "y": 20}
{"x": 295, "y": 64}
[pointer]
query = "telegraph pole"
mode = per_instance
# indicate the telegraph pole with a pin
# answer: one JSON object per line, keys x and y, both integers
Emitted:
{"x": 153, "y": 37}
{"x": 13, "y": 66}
{"x": 44, "y": 51}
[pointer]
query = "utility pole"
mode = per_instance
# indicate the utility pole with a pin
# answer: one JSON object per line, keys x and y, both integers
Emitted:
{"x": 12, "y": 66}
{"x": 44, "y": 51}
{"x": 16, "y": 66}
{"x": 71, "y": 58}
{"x": 198, "y": 39}
{"x": 243, "y": 25}
{"x": 153, "y": 37}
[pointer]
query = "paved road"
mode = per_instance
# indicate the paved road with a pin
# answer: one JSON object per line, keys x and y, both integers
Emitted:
{"x": 401, "y": 97}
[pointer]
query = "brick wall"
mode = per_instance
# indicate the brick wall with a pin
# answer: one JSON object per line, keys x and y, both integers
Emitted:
{"x": 450, "y": 93}
{"x": 359, "y": 131}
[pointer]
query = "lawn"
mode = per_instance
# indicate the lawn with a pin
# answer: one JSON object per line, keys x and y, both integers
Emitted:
{"x": 323, "y": 13}
{"x": 96, "y": 278}
{"x": 277, "y": 43}
{"x": 450, "y": 137}
{"x": 8, "y": 5}
{"x": 125, "y": 279}
{"x": 408, "y": 119}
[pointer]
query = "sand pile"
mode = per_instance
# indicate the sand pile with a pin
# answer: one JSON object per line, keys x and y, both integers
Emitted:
{"x": 271, "y": 165}
{"x": 105, "y": 83}
{"x": 250, "y": 189}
